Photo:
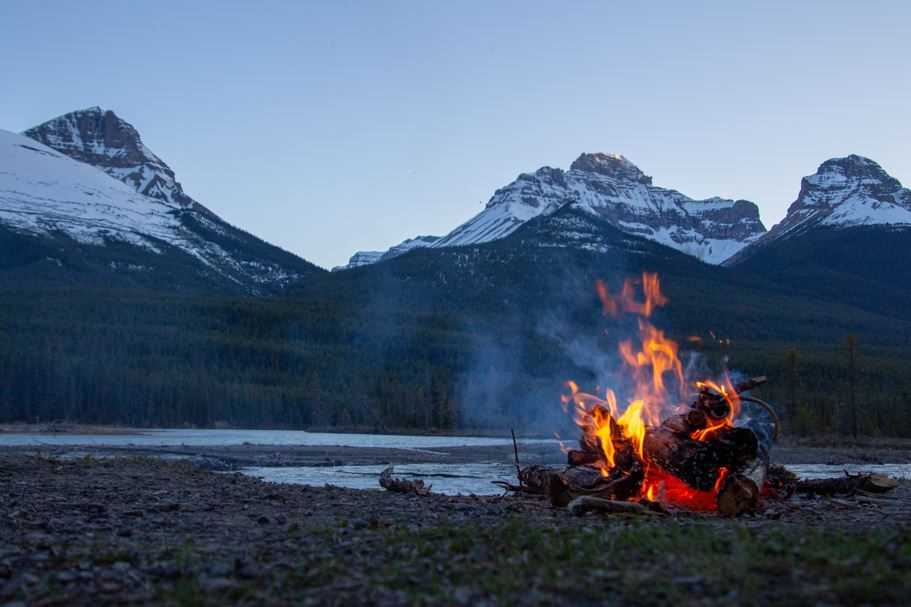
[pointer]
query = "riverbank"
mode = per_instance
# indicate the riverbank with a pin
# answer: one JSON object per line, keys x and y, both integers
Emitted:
{"x": 54, "y": 428}
{"x": 237, "y": 457}
{"x": 130, "y": 530}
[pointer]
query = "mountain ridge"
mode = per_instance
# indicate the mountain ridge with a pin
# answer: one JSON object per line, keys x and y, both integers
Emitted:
{"x": 84, "y": 190}
{"x": 844, "y": 192}
{"x": 612, "y": 187}
{"x": 104, "y": 140}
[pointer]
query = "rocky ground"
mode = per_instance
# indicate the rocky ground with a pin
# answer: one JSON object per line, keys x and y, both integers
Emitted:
{"x": 140, "y": 530}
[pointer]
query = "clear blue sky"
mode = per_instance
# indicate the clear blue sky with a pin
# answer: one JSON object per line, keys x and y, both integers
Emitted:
{"x": 326, "y": 127}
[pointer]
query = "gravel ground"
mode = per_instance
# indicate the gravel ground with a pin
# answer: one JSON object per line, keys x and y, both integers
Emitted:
{"x": 139, "y": 530}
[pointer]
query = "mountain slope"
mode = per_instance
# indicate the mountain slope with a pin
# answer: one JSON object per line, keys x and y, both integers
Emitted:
{"x": 843, "y": 193}
{"x": 845, "y": 239}
{"x": 104, "y": 140}
{"x": 134, "y": 201}
{"x": 79, "y": 224}
{"x": 613, "y": 188}
{"x": 365, "y": 258}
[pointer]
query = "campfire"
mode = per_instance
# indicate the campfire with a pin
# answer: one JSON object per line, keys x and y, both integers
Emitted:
{"x": 699, "y": 445}
{"x": 672, "y": 442}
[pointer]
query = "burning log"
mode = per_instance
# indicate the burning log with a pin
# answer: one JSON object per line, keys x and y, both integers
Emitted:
{"x": 702, "y": 459}
{"x": 582, "y": 457}
{"x": 693, "y": 459}
{"x": 698, "y": 463}
{"x": 587, "y": 481}
{"x": 401, "y": 485}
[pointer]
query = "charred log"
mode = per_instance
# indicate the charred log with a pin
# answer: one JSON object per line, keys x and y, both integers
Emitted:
{"x": 847, "y": 485}
{"x": 580, "y": 457}
{"x": 698, "y": 463}
{"x": 576, "y": 481}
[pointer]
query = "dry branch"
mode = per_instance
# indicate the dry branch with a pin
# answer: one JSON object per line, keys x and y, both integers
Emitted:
{"x": 589, "y": 503}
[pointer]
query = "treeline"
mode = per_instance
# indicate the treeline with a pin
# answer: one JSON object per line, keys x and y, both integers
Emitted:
{"x": 851, "y": 388}
{"x": 147, "y": 359}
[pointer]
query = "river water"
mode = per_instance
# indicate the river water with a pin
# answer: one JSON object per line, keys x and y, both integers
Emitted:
{"x": 452, "y": 479}
{"x": 464, "y": 479}
{"x": 221, "y": 438}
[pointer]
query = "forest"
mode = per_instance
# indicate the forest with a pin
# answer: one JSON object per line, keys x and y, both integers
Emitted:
{"x": 368, "y": 361}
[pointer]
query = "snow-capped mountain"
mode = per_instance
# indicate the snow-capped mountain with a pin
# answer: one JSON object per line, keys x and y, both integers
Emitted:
{"x": 614, "y": 189}
{"x": 844, "y": 192}
{"x": 365, "y": 258}
{"x": 56, "y": 194}
{"x": 842, "y": 241}
{"x": 104, "y": 140}
{"x": 44, "y": 192}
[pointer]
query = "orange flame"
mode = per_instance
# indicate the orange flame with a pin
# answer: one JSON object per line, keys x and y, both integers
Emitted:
{"x": 729, "y": 395}
{"x": 626, "y": 301}
{"x": 654, "y": 369}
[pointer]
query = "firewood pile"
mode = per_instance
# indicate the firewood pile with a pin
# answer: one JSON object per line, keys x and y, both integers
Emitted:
{"x": 690, "y": 462}
{"x": 661, "y": 448}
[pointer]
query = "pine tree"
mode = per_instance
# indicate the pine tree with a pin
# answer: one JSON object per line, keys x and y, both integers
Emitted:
{"x": 852, "y": 383}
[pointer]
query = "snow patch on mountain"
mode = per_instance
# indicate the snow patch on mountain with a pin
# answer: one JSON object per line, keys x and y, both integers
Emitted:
{"x": 844, "y": 193}
{"x": 42, "y": 192}
{"x": 616, "y": 190}
{"x": 46, "y": 193}
{"x": 104, "y": 140}
{"x": 365, "y": 258}
{"x": 361, "y": 258}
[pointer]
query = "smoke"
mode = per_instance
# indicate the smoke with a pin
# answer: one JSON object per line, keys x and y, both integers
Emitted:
{"x": 553, "y": 333}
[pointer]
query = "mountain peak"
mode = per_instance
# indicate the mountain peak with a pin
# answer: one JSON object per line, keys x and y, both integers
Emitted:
{"x": 104, "y": 140}
{"x": 842, "y": 180}
{"x": 611, "y": 165}
{"x": 90, "y": 133}
{"x": 852, "y": 169}
{"x": 843, "y": 193}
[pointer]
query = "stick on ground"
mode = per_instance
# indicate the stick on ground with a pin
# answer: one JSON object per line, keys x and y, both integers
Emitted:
{"x": 588, "y": 503}
{"x": 515, "y": 451}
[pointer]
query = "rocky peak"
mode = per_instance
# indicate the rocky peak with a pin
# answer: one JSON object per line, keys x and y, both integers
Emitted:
{"x": 854, "y": 174}
{"x": 93, "y": 136}
{"x": 610, "y": 165}
{"x": 842, "y": 193}
{"x": 104, "y": 140}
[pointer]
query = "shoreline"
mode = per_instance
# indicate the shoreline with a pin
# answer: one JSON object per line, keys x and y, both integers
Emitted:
{"x": 235, "y": 457}
{"x": 836, "y": 442}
